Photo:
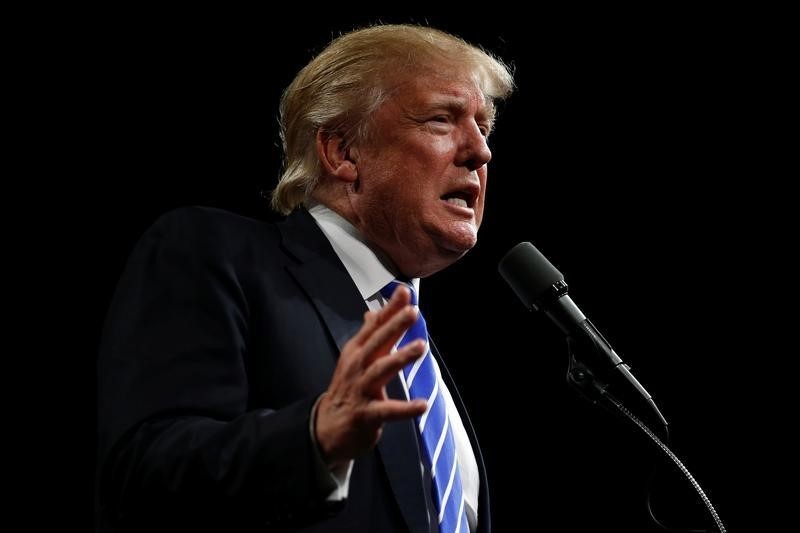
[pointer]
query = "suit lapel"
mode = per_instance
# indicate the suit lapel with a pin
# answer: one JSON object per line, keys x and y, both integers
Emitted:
{"x": 403, "y": 468}
{"x": 484, "y": 517}
{"x": 336, "y": 298}
{"x": 320, "y": 273}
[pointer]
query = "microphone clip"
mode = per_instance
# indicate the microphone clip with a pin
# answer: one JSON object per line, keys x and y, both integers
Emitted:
{"x": 580, "y": 377}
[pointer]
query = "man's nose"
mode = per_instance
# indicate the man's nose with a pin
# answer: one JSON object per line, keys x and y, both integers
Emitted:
{"x": 473, "y": 152}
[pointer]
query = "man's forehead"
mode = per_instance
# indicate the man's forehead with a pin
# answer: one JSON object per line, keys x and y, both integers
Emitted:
{"x": 437, "y": 91}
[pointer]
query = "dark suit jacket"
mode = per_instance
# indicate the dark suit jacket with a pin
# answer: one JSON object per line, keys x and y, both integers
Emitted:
{"x": 222, "y": 333}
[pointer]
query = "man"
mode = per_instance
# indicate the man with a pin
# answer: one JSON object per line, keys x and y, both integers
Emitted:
{"x": 257, "y": 376}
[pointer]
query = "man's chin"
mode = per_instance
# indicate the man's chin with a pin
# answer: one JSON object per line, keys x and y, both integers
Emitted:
{"x": 456, "y": 244}
{"x": 461, "y": 238}
{"x": 442, "y": 249}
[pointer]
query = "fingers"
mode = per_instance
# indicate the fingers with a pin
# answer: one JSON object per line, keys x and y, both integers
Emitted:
{"x": 380, "y": 372}
{"x": 394, "y": 319}
{"x": 401, "y": 297}
{"x": 374, "y": 319}
{"x": 369, "y": 325}
{"x": 391, "y": 410}
{"x": 385, "y": 337}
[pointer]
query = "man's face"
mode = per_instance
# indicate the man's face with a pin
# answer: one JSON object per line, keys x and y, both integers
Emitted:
{"x": 422, "y": 173}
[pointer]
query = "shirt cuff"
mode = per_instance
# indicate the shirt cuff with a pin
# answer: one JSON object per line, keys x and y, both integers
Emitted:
{"x": 333, "y": 481}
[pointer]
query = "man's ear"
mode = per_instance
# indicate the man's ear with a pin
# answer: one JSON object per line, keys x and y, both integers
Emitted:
{"x": 336, "y": 159}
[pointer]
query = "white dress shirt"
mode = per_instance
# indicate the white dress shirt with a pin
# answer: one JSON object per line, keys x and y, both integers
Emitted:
{"x": 368, "y": 268}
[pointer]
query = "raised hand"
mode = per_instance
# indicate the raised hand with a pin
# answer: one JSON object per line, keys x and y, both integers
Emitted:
{"x": 351, "y": 413}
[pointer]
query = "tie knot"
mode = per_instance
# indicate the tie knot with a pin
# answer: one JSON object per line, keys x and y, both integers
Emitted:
{"x": 389, "y": 289}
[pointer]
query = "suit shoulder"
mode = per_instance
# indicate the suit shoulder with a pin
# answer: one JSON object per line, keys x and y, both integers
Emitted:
{"x": 199, "y": 224}
{"x": 208, "y": 220}
{"x": 205, "y": 235}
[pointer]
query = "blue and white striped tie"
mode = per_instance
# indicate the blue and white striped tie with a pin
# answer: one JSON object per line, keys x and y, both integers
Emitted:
{"x": 435, "y": 433}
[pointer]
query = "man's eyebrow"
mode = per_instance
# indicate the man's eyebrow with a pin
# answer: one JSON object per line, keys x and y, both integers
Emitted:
{"x": 459, "y": 105}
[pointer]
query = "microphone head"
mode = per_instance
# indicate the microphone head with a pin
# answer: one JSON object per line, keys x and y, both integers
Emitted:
{"x": 529, "y": 273}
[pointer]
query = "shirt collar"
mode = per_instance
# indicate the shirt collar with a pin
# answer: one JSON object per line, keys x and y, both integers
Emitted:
{"x": 370, "y": 269}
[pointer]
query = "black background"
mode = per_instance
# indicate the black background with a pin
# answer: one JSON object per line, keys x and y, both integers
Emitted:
{"x": 632, "y": 154}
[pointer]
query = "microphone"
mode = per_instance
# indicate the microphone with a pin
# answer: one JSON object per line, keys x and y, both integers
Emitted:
{"x": 541, "y": 287}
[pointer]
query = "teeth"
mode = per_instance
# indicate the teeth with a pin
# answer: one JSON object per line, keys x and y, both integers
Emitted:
{"x": 457, "y": 201}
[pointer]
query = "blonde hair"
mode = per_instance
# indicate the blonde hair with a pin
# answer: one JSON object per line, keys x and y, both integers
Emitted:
{"x": 340, "y": 88}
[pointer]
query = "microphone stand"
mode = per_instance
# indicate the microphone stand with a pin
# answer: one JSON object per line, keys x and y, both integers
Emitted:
{"x": 581, "y": 378}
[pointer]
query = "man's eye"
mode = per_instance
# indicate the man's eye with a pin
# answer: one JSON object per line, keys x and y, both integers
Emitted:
{"x": 444, "y": 119}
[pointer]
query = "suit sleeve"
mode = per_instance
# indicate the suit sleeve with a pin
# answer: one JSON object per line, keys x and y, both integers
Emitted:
{"x": 177, "y": 440}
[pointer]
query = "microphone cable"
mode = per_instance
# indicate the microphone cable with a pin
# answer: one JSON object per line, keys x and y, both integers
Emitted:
{"x": 685, "y": 471}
